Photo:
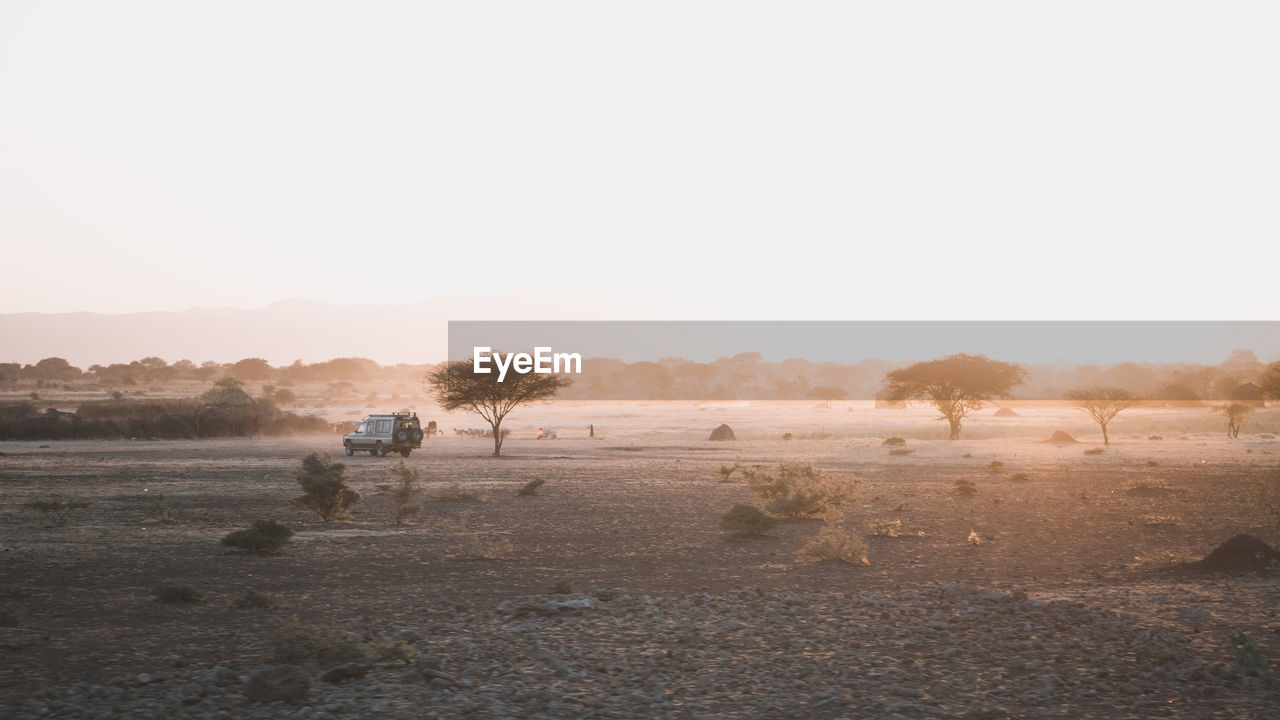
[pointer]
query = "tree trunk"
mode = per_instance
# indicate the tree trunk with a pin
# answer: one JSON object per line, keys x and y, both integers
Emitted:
{"x": 497, "y": 439}
{"x": 955, "y": 428}
{"x": 1105, "y": 440}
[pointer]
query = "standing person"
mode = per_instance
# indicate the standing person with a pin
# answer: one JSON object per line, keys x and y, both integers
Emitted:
{"x": 591, "y": 430}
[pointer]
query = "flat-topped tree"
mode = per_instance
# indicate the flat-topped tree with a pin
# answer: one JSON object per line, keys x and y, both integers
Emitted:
{"x": 456, "y": 386}
{"x": 956, "y": 384}
{"x": 1102, "y": 403}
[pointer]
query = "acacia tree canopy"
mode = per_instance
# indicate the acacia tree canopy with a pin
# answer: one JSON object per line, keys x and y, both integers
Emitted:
{"x": 456, "y": 386}
{"x": 956, "y": 384}
{"x": 1102, "y": 403}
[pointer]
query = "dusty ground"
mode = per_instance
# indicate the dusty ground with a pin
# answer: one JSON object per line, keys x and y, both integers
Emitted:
{"x": 710, "y": 627}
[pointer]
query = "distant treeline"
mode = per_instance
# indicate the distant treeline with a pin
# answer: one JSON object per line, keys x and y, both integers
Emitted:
{"x": 160, "y": 419}
{"x": 155, "y": 370}
{"x": 744, "y": 376}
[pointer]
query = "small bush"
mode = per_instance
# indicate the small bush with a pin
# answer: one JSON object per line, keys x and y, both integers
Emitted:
{"x": 174, "y": 593}
{"x": 13, "y": 615}
{"x": 156, "y": 511}
{"x": 265, "y": 536}
{"x": 403, "y": 497}
{"x": 1249, "y": 660}
{"x": 1020, "y": 477}
{"x": 562, "y": 587}
{"x": 890, "y": 529}
{"x": 251, "y": 600}
{"x": 834, "y": 545}
{"x": 1147, "y": 484}
{"x": 294, "y": 641}
{"x": 1095, "y": 451}
{"x": 324, "y": 487}
{"x": 798, "y": 490}
{"x": 966, "y": 487}
{"x": 726, "y": 471}
{"x": 1152, "y": 463}
{"x": 531, "y": 487}
{"x": 746, "y": 521}
{"x": 457, "y": 493}
{"x": 477, "y": 545}
{"x": 786, "y": 436}
{"x": 901, "y": 451}
{"x": 1156, "y": 437}
{"x": 995, "y": 465}
{"x": 56, "y": 509}
{"x": 894, "y": 441}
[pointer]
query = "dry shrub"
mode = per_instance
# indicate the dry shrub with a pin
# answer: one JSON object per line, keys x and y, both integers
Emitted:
{"x": 995, "y": 465}
{"x": 1095, "y": 451}
{"x": 532, "y": 487}
{"x": 966, "y": 487}
{"x": 890, "y": 529}
{"x": 294, "y": 641}
{"x": 263, "y": 537}
{"x": 798, "y": 490}
{"x": 403, "y": 495}
{"x": 901, "y": 451}
{"x": 324, "y": 487}
{"x": 894, "y": 441}
{"x": 744, "y": 520}
{"x": 835, "y": 545}
{"x": 1146, "y": 485}
{"x": 56, "y": 509}
{"x": 457, "y": 493}
{"x": 974, "y": 538}
{"x": 726, "y": 471}
{"x": 1020, "y": 477}
{"x": 156, "y": 511}
{"x": 476, "y": 544}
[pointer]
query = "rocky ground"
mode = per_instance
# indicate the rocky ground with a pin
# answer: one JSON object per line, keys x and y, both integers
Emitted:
{"x": 941, "y": 651}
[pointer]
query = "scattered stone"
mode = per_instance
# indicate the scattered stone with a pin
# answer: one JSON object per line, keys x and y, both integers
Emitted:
{"x": 724, "y": 432}
{"x": 219, "y": 676}
{"x": 277, "y": 682}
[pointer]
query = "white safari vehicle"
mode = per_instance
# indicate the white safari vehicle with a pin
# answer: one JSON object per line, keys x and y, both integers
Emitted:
{"x": 382, "y": 434}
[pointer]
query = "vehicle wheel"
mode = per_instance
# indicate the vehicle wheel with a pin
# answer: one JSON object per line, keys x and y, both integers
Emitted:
{"x": 404, "y": 453}
{"x": 347, "y": 448}
{"x": 417, "y": 435}
{"x": 402, "y": 436}
{"x": 379, "y": 450}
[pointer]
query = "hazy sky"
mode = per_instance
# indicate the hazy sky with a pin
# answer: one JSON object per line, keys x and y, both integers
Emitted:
{"x": 764, "y": 160}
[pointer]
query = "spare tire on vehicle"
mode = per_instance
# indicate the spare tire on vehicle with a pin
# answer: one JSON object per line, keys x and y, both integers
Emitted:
{"x": 402, "y": 436}
{"x": 417, "y": 435}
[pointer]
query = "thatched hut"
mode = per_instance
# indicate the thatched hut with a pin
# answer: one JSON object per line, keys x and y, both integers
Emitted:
{"x": 1249, "y": 394}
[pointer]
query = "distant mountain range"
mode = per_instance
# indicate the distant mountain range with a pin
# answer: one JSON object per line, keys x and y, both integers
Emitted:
{"x": 413, "y": 332}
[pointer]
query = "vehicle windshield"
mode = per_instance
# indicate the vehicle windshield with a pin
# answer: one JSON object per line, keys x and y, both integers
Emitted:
{"x": 364, "y": 427}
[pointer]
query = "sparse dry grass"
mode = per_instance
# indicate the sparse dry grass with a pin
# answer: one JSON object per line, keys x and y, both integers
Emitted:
{"x": 890, "y": 529}
{"x": 456, "y": 493}
{"x": 1146, "y": 485}
{"x": 1152, "y": 520}
{"x": 799, "y": 490}
{"x": 835, "y": 545}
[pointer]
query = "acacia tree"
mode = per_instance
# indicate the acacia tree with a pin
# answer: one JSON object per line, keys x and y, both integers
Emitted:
{"x": 827, "y": 394}
{"x": 456, "y": 386}
{"x": 1102, "y": 403}
{"x": 1237, "y": 414}
{"x": 956, "y": 384}
{"x": 1270, "y": 382}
